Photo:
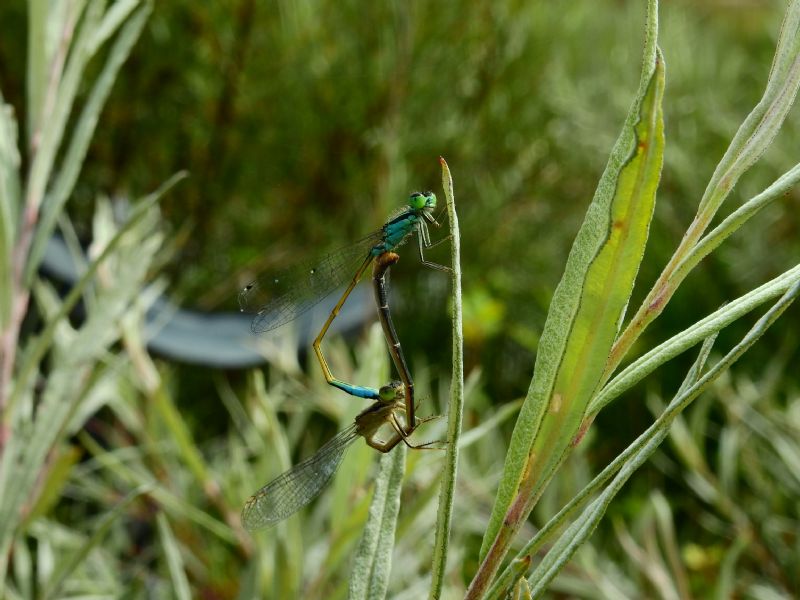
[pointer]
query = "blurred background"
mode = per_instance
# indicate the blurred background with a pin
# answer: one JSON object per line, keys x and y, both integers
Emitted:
{"x": 304, "y": 124}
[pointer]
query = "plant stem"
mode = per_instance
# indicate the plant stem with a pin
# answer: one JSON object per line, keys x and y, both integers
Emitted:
{"x": 456, "y": 406}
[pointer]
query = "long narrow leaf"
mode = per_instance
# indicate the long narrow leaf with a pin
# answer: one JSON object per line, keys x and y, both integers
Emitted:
{"x": 117, "y": 14}
{"x": 177, "y": 574}
{"x": 373, "y": 562}
{"x": 47, "y": 136}
{"x": 42, "y": 343}
{"x": 523, "y": 558}
{"x": 37, "y": 58}
{"x": 647, "y": 443}
{"x": 736, "y": 219}
{"x": 9, "y": 204}
{"x": 751, "y": 140}
{"x": 762, "y": 124}
{"x": 585, "y": 311}
{"x": 691, "y": 336}
{"x": 455, "y": 411}
{"x": 84, "y": 130}
{"x": 76, "y": 558}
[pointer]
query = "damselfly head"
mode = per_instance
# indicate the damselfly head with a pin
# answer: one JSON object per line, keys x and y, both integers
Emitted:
{"x": 422, "y": 201}
{"x": 391, "y": 391}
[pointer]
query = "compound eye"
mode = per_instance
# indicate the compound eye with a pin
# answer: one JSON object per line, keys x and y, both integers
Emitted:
{"x": 417, "y": 200}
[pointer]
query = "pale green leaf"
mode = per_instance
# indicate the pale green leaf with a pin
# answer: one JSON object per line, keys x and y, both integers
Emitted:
{"x": 590, "y": 300}
{"x": 523, "y": 559}
{"x": 59, "y": 92}
{"x": 643, "y": 366}
{"x": 40, "y": 345}
{"x": 522, "y": 591}
{"x": 762, "y": 125}
{"x": 82, "y": 135}
{"x": 373, "y": 562}
{"x": 455, "y": 410}
{"x": 180, "y": 583}
{"x": 9, "y": 205}
{"x": 644, "y": 446}
{"x": 76, "y": 558}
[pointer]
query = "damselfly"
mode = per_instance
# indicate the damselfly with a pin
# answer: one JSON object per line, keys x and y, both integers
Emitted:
{"x": 277, "y": 300}
{"x": 294, "y": 489}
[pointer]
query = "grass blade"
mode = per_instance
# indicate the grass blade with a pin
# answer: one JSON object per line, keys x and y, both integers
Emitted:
{"x": 55, "y": 583}
{"x": 180, "y": 584}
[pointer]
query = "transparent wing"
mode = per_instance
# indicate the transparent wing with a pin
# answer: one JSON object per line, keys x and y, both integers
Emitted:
{"x": 294, "y": 489}
{"x": 277, "y": 299}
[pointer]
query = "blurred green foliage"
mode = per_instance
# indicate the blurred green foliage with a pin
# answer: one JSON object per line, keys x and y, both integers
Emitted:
{"x": 288, "y": 113}
{"x": 304, "y": 124}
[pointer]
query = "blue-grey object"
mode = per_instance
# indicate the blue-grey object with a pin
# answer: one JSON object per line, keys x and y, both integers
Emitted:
{"x": 220, "y": 339}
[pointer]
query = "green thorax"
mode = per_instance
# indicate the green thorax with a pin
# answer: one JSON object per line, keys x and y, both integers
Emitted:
{"x": 399, "y": 227}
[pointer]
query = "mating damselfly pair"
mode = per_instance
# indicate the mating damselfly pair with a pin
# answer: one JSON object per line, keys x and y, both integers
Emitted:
{"x": 277, "y": 300}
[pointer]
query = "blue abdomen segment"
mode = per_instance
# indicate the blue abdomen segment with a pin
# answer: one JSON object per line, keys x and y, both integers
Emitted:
{"x": 395, "y": 232}
{"x": 357, "y": 390}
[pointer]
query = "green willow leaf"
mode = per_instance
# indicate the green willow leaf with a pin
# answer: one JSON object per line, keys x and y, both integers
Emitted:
{"x": 455, "y": 411}
{"x": 646, "y": 444}
{"x": 373, "y": 563}
{"x": 588, "y": 304}
{"x": 75, "y": 153}
{"x": 9, "y": 204}
{"x": 765, "y": 120}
